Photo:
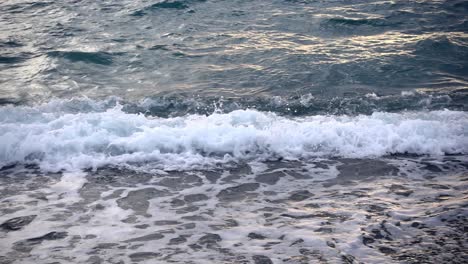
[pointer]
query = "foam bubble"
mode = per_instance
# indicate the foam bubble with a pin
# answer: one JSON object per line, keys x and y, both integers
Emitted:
{"x": 61, "y": 140}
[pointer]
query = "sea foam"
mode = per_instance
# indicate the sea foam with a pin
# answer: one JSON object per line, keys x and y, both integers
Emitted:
{"x": 68, "y": 140}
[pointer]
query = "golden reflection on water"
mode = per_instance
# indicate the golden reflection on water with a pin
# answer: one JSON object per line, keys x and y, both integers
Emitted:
{"x": 334, "y": 50}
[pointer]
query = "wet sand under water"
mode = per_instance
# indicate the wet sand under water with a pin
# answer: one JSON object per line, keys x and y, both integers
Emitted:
{"x": 391, "y": 210}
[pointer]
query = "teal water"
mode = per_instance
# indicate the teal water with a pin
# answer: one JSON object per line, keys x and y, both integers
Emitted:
{"x": 292, "y": 57}
{"x": 216, "y": 131}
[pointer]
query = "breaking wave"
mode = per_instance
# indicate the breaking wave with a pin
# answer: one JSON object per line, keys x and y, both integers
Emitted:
{"x": 57, "y": 140}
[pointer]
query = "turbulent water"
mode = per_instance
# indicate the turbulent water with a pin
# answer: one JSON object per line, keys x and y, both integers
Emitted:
{"x": 214, "y": 131}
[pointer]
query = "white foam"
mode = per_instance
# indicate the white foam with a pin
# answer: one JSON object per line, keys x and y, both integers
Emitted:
{"x": 68, "y": 187}
{"x": 72, "y": 141}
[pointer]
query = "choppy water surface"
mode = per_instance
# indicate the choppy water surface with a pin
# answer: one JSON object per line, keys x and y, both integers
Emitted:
{"x": 334, "y": 50}
{"x": 212, "y": 131}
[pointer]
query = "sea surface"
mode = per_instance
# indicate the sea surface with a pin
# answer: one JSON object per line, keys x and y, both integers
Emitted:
{"x": 215, "y": 131}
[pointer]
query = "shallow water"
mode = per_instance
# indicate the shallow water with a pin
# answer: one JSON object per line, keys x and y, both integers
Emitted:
{"x": 213, "y": 131}
{"x": 393, "y": 210}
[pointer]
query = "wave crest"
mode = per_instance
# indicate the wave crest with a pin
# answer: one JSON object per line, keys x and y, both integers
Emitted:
{"x": 72, "y": 141}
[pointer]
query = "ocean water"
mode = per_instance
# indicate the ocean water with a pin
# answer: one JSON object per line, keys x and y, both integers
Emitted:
{"x": 214, "y": 131}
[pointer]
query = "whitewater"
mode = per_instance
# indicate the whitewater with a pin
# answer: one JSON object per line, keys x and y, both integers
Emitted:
{"x": 57, "y": 140}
